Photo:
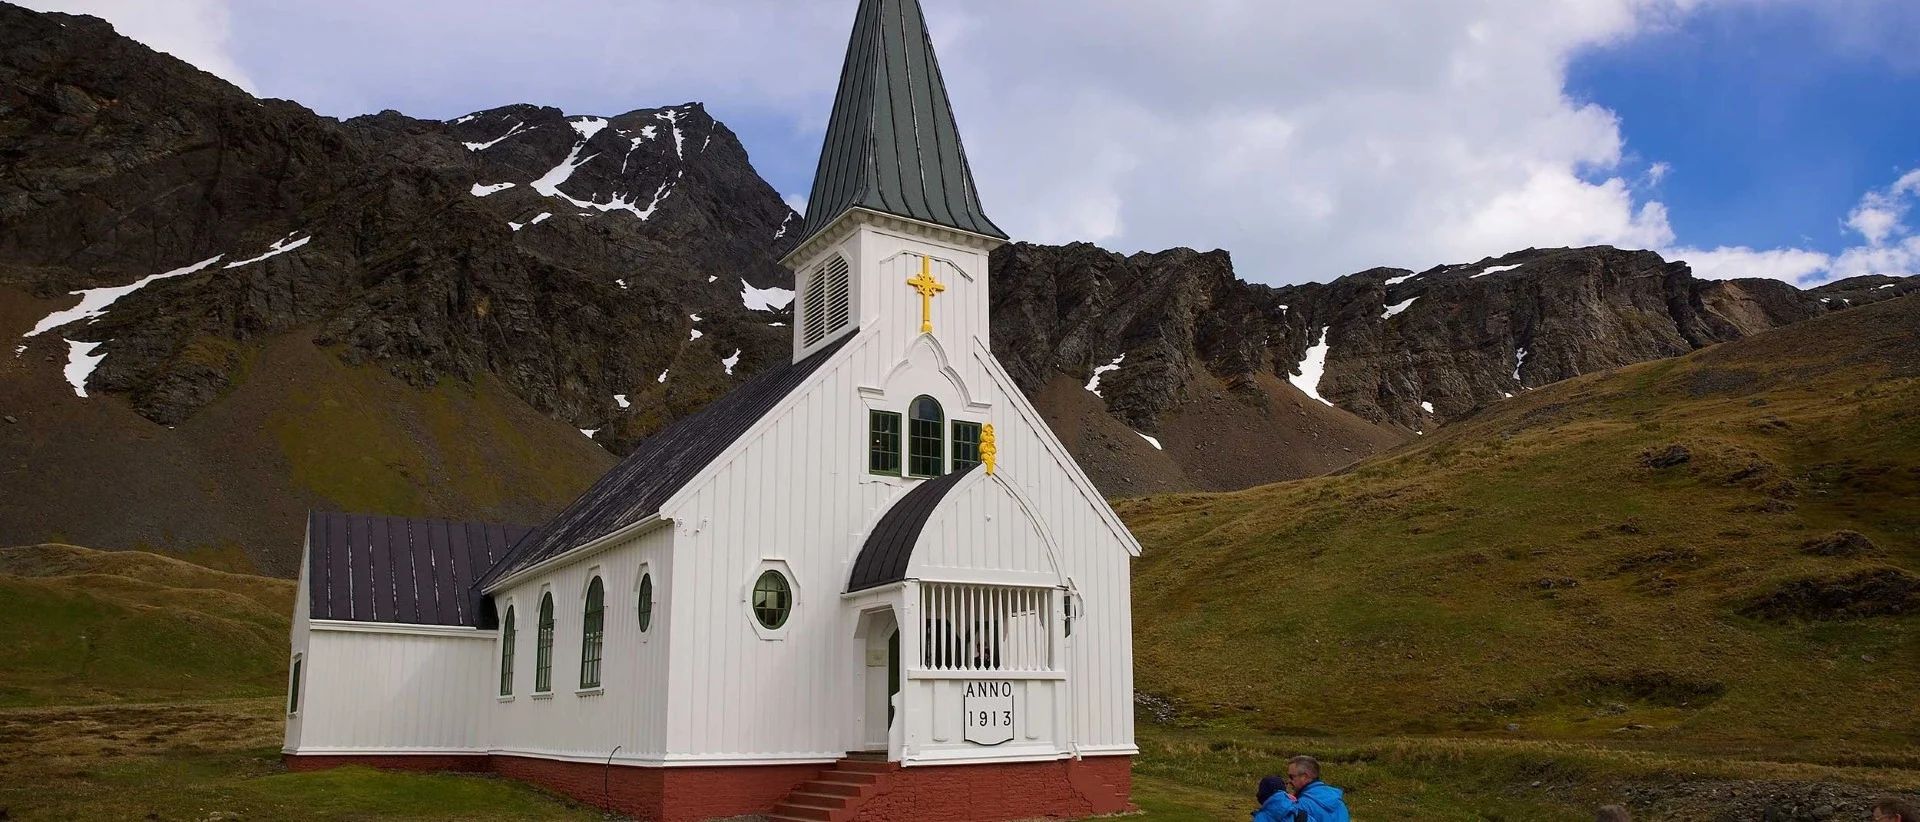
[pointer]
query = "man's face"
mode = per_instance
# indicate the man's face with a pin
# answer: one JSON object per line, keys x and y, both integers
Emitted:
{"x": 1298, "y": 778}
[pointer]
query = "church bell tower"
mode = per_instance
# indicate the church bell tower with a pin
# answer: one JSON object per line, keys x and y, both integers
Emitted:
{"x": 895, "y": 237}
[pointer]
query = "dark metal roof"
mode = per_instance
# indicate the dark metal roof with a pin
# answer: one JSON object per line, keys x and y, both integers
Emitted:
{"x": 398, "y": 570}
{"x": 892, "y": 145}
{"x": 664, "y": 463}
{"x": 889, "y": 549}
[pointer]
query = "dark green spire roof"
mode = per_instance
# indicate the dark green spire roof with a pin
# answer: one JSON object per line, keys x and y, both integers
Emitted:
{"x": 892, "y": 145}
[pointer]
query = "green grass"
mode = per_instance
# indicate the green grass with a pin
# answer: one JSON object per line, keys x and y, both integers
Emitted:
{"x": 1522, "y": 574}
{"x": 220, "y": 760}
{"x": 80, "y": 626}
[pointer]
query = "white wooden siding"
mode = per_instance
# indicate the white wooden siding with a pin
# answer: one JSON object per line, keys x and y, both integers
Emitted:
{"x": 630, "y": 707}
{"x": 981, "y": 526}
{"x": 302, "y": 616}
{"x": 796, "y": 488}
{"x": 376, "y": 693}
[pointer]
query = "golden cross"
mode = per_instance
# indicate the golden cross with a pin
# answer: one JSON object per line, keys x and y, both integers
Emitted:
{"x": 927, "y": 286}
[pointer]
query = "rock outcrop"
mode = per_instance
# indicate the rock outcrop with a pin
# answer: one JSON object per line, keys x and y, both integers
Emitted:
{"x": 1403, "y": 349}
{"x": 567, "y": 255}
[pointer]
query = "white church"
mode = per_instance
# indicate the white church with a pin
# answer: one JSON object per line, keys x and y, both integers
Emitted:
{"x": 867, "y": 585}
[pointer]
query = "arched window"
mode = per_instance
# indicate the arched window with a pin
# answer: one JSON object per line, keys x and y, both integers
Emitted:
{"x": 506, "y": 654}
{"x": 772, "y": 600}
{"x": 646, "y": 602}
{"x": 926, "y": 438}
{"x": 543, "y": 653}
{"x": 592, "y": 635}
{"x": 293, "y": 689}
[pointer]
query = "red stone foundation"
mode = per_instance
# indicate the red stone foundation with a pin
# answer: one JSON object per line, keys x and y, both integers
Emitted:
{"x": 1064, "y": 789}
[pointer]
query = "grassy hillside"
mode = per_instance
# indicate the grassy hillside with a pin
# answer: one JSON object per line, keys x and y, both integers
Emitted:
{"x": 80, "y": 626}
{"x": 1645, "y": 557}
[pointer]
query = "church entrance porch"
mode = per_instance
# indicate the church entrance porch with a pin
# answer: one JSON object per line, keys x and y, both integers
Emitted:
{"x": 879, "y": 634}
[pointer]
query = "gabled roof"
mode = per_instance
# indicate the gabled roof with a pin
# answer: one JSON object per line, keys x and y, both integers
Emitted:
{"x": 637, "y": 487}
{"x": 892, "y": 145}
{"x": 888, "y": 551}
{"x": 398, "y": 570}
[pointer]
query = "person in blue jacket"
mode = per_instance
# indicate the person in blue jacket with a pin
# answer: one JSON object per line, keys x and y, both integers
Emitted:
{"x": 1304, "y": 797}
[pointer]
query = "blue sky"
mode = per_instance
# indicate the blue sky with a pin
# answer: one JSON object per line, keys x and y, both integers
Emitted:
{"x": 1772, "y": 138}
{"x": 1772, "y": 120}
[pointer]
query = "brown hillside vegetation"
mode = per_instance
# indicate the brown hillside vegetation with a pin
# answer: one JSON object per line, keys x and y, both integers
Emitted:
{"x": 82, "y": 626}
{"x": 1648, "y": 555}
{"x": 300, "y": 430}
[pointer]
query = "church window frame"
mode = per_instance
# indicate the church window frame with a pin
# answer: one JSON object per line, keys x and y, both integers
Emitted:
{"x": 772, "y": 600}
{"x": 926, "y": 438}
{"x": 643, "y": 601}
{"x": 885, "y": 456}
{"x": 293, "y": 684}
{"x": 966, "y": 445}
{"x": 593, "y": 633}
{"x": 796, "y": 599}
{"x": 509, "y": 635}
{"x": 543, "y": 648}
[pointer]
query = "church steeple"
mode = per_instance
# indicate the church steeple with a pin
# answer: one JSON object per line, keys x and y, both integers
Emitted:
{"x": 892, "y": 145}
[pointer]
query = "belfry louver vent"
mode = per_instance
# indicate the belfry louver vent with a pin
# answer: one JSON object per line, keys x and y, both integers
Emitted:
{"x": 839, "y": 296}
{"x": 816, "y": 308}
{"x": 828, "y": 301}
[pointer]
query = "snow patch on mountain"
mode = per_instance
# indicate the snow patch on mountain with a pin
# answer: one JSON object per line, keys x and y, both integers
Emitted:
{"x": 588, "y": 126}
{"x": 487, "y": 191}
{"x": 764, "y": 299}
{"x": 679, "y": 140}
{"x": 278, "y": 248}
{"x": 1094, "y": 384}
{"x": 518, "y": 126}
{"x": 94, "y": 302}
{"x": 80, "y": 364}
{"x": 1312, "y": 368}
{"x": 1398, "y": 308}
{"x": 1494, "y": 270}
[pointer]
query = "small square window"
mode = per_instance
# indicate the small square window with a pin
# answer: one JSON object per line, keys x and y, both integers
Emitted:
{"x": 883, "y": 443}
{"x": 966, "y": 445}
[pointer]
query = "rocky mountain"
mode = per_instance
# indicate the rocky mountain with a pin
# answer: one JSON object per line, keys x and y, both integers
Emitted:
{"x": 1405, "y": 350}
{"x": 228, "y": 310}
{"x": 567, "y": 255}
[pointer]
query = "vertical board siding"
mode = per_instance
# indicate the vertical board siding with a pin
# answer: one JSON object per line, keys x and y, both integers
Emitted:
{"x": 378, "y": 692}
{"x": 630, "y": 710}
{"x": 797, "y": 491}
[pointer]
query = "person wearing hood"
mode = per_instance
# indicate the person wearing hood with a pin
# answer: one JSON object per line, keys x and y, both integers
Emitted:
{"x": 1302, "y": 797}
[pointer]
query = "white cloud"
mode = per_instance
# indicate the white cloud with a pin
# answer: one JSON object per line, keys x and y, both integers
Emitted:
{"x": 1880, "y": 214}
{"x": 197, "y": 31}
{"x": 1311, "y": 139}
{"x": 1790, "y": 264}
{"x": 1880, "y": 219}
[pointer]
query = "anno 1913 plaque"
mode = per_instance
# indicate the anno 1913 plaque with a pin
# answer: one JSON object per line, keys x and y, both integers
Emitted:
{"x": 989, "y": 706}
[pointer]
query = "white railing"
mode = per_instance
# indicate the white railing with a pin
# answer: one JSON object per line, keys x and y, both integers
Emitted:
{"x": 975, "y": 628}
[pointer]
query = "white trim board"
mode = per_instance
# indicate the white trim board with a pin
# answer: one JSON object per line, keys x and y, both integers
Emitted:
{"x": 436, "y": 631}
